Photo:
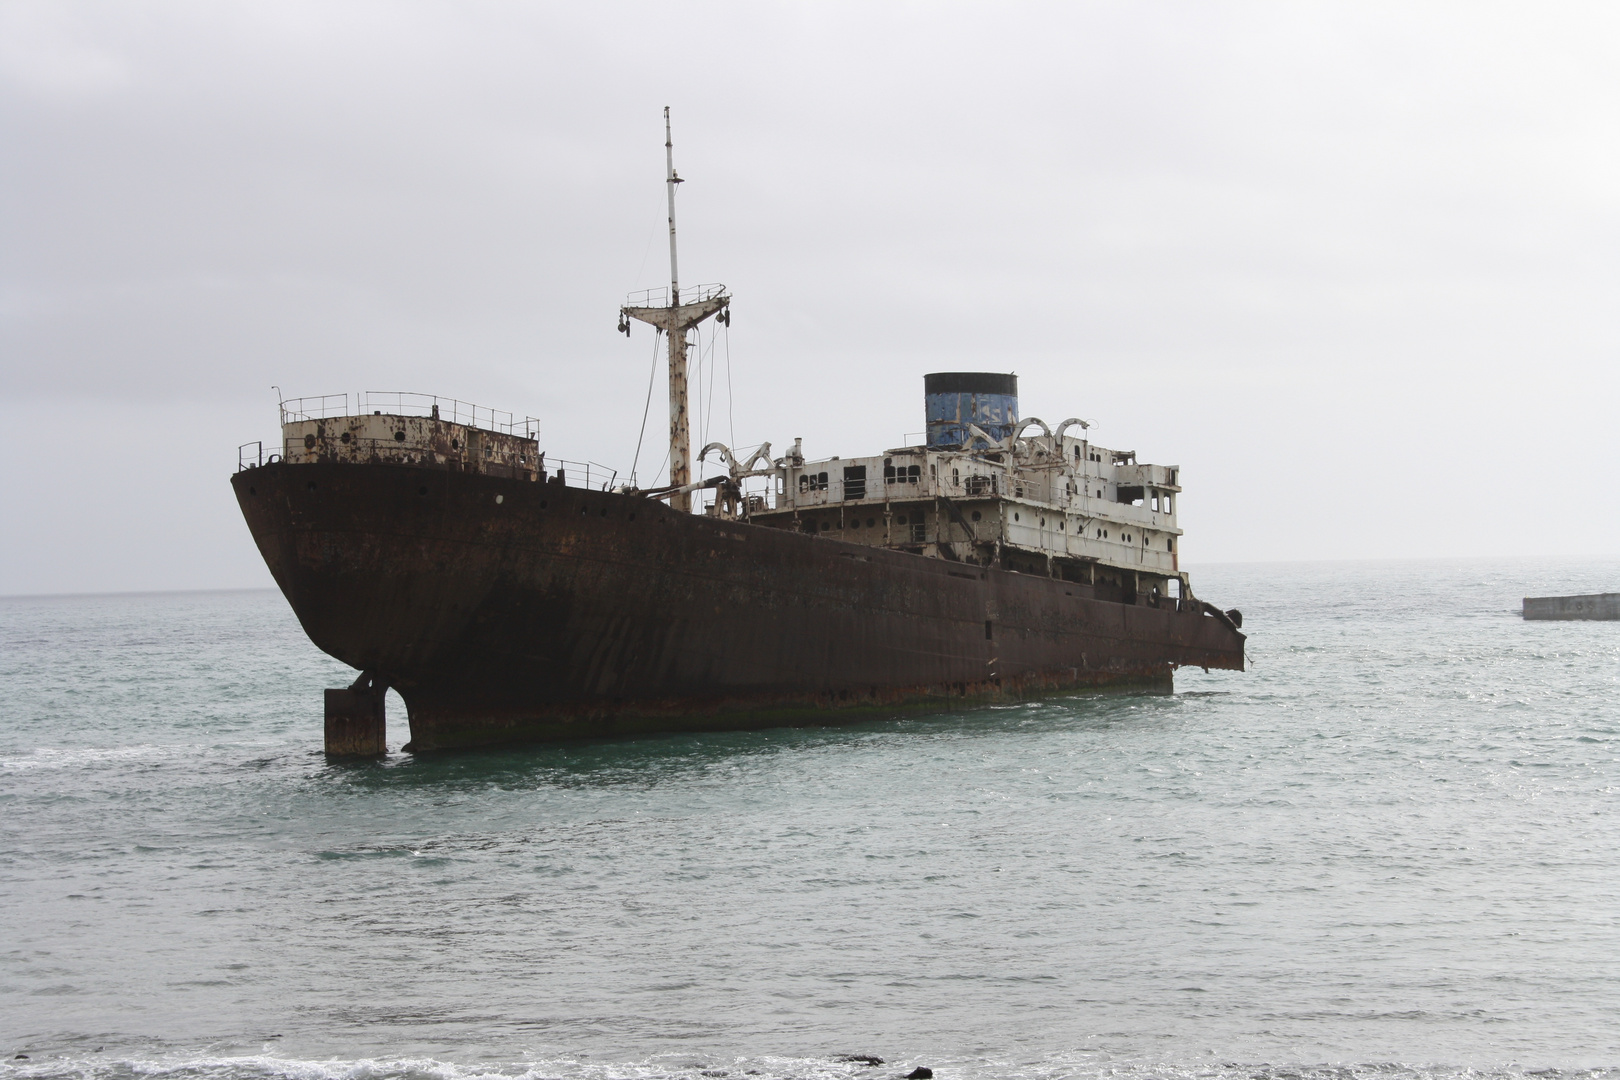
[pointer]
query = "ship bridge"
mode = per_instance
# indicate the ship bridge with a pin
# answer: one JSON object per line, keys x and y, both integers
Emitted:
{"x": 991, "y": 489}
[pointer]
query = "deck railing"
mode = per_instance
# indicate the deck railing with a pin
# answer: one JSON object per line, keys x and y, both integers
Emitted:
{"x": 691, "y": 294}
{"x": 405, "y": 403}
{"x": 580, "y": 474}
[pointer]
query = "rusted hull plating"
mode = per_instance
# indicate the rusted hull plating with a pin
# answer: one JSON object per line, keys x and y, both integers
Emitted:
{"x": 504, "y": 610}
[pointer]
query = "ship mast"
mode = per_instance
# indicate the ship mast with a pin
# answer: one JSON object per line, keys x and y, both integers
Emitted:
{"x": 675, "y": 320}
{"x": 670, "y": 180}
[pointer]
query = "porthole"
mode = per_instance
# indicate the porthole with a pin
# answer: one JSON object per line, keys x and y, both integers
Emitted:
{"x": 1015, "y": 516}
{"x": 542, "y": 504}
{"x": 499, "y": 499}
{"x": 345, "y": 438}
{"x": 855, "y": 524}
{"x": 253, "y": 491}
{"x": 309, "y": 442}
{"x": 583, "y": 509}
{"x": 1043, "y": 523}
{"x": 604, "y": 512}
{"x": 825, "y": 525}
{"x": 310, "y": 485}
{"x": 975, "y": 515}
{"x": 871, "y": 523}
{"x": 421, "y": 491}
{"x": 455, "y": 444}
{"x": 902, "y": 519}
{"x": 632, "y": 516}
{"x": 399, "y": 436}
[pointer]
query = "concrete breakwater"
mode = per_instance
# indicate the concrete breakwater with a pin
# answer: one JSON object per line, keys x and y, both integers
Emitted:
{"x": 1595, "y": 606}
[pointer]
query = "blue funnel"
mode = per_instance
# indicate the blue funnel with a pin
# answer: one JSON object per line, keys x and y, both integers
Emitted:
{"x": 956, "y": 399}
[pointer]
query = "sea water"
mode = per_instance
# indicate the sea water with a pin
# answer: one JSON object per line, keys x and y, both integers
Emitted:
{"x": 1387, "y": 850}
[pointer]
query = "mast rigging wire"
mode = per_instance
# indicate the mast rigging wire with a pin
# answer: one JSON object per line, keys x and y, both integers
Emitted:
{"x": 652, "y": 377}
{"x": 731, "y": 412}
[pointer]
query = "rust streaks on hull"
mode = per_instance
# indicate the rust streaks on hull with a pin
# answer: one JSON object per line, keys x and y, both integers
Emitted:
{"x": 503, "y": 609}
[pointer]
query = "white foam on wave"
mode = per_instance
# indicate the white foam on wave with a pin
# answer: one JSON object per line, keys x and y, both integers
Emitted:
{"x": 67, "y": 757}
{"x": 683, "y": 1067}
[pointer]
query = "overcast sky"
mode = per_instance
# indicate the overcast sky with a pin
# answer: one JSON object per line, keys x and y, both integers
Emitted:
{"x": 1352, "y": 267}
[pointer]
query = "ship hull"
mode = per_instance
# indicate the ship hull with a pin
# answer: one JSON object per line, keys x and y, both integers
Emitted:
{"x": 504, "y": 610}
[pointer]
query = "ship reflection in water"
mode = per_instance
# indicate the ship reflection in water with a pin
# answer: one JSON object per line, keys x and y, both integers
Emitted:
{"x": 432, "y": 546}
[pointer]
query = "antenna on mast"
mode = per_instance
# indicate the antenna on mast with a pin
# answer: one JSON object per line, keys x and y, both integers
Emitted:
{"x": 670, "y": 180}
{"x": 675, "y": 320}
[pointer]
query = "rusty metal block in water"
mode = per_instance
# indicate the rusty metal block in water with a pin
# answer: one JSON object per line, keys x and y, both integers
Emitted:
{"x": 356, "y": 722}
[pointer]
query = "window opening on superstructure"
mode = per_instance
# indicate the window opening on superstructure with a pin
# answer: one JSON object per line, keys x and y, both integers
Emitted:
{"x": 854, "y": 481}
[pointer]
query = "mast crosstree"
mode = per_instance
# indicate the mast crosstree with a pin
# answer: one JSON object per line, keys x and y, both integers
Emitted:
{"x": 675, "y": 319}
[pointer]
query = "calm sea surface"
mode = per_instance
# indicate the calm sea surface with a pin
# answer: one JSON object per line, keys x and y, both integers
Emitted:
{"x": 1391, "y": 849}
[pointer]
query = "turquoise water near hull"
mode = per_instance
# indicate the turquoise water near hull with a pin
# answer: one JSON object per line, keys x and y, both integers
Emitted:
{"x": 1387, "y": 849}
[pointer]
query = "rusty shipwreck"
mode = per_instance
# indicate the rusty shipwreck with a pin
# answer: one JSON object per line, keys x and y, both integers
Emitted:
{"x": 430, "y": 545}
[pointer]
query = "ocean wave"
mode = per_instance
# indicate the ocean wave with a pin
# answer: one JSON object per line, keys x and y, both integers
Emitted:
{"x": 682, "y": 1067}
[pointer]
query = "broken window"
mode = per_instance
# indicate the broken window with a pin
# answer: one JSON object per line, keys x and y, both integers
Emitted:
{"x": 901, "y": 474}
{"x": 1129, "y": 494}
{"x": 978, "y": 485}
{"x": 854, "y": 481}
